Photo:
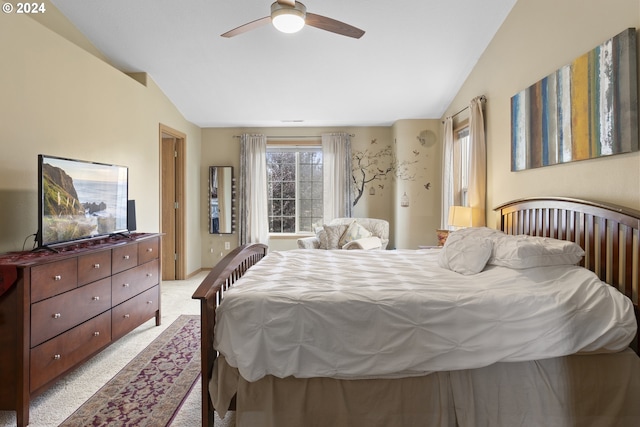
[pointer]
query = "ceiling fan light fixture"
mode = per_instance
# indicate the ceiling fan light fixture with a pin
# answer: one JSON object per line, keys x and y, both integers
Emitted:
{"x": 288, "y": 19}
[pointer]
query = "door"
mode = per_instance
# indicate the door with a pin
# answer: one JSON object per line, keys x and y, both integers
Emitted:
{"x": 172, "y": 149}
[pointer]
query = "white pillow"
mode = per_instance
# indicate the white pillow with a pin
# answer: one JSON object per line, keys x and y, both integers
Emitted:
{"x": 321, "y": 235}
{"x": 371, "y": 242}
{"x": 354, "y": 231}
{"x": 465, "y": 254}
{"x": 522, "y": 251}
{"x": 333, "y": 235}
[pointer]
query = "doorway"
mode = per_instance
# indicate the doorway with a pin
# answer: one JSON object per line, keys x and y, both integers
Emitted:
{"x": 172, "y": 201}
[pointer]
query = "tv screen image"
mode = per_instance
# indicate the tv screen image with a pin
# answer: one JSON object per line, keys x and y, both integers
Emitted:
{"x": 80, "y": 199}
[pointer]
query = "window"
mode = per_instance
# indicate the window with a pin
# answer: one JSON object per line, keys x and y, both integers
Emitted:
{"x": 462, "y": 152}
{"x": 294, "y": 188}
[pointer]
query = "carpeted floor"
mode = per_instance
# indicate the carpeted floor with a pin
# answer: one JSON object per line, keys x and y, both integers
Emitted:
{"x": 55, "y": 405}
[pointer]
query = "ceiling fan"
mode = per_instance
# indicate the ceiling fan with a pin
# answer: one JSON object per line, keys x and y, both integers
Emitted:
{"x": 289, "y": 16}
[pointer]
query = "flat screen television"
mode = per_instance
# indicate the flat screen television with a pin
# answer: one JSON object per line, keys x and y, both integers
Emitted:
{"x": 80, "y": 200}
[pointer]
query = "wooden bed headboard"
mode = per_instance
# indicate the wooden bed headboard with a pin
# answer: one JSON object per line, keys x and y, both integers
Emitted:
{"x": 609, "y": 235}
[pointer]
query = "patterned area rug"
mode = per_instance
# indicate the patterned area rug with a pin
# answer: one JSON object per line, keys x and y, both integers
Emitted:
{"x": 151, "y": 388}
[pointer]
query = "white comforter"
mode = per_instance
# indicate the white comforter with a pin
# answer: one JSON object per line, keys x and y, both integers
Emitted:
{"x": 366, "y": 314}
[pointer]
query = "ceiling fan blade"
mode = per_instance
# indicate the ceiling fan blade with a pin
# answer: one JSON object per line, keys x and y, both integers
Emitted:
{"x": 329, "y": 24}
{"x": 291, "y": 3}
{"x": 247, "y": 27}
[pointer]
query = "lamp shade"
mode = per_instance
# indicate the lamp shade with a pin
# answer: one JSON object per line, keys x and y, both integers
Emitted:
{"x": 288, "y": 19}
{"x": 463, "y": 216}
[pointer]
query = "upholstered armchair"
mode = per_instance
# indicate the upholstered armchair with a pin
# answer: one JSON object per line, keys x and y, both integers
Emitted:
{"x": 349, "y": 233}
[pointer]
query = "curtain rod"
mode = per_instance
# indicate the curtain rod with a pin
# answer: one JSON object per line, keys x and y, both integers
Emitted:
{"x": 293, "y": 136}
{"x": 482, "y": 99}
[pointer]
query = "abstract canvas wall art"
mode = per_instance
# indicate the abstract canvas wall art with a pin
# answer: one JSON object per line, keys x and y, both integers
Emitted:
{"x": 584, "y": 110}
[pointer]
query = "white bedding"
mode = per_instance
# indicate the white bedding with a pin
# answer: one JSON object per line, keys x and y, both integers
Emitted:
{"x": 372, "y": 314}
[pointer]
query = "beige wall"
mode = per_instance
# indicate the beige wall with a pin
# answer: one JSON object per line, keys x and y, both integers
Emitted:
{"x": 371, "y": 143}
{"x": 58, "y": 99}
{"x": 537, "y": 38}
{"x": 219, "y": 148}
{"x": 419, "y": 179}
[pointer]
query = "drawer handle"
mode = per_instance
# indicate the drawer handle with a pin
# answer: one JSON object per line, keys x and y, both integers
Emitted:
{"x": 95, "y": 298}
{"x": 149, "y": 302}
{"x": 149, "y": 249}
{"x": 126, "y": 257}
{"x": 56, "y": 315}
{"x": 96, "y": 334}
{"x": 57, "y": 357}
{"x": 57, "y": 278}
{"x": 126, "y": 316}
{"x": 96, "y": 266}
{"x": 125, "y": 285}
{"x": 149, "y": 274}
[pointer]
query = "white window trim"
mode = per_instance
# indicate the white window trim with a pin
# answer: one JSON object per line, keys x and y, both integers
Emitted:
{"x": 295, "y": 147}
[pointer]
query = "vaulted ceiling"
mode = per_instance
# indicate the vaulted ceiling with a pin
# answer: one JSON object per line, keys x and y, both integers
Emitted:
{"x": 410, "y": 63}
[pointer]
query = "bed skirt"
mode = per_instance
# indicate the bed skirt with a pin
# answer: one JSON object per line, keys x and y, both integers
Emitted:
{"x": 584, "y": 390}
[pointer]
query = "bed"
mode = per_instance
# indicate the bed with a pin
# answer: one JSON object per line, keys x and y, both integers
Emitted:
{"x": 572, "y": 376}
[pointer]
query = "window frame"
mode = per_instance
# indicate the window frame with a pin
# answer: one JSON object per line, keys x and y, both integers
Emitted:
{"x": 297, "y": 147}
{"x": 464, "y": 147}
{"x": 462, "y": 163}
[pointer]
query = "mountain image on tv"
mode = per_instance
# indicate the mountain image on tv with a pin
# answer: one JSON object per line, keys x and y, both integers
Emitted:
{"x": 81, "y": 200}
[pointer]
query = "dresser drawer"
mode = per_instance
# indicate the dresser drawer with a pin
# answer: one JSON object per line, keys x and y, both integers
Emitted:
{"x": 54, "y": 278}
{"x": 131, "y": 282}
{"x": 55, "y": 315}
{"x": 148, "y": 249}
{"x": 132, "y": 313}
{"x": 94, "y": 267}
{"x": 58, "y": 355}
{"x": 124, "y": 258}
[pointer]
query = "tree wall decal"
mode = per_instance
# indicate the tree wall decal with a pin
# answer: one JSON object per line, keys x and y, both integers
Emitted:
{"x": 368, "y": 166}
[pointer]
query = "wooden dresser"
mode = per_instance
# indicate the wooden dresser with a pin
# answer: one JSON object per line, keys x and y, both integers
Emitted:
{"x": 60, "y": 309}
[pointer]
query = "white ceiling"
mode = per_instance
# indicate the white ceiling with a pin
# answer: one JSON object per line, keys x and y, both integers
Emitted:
{"x": 410, "y": 63}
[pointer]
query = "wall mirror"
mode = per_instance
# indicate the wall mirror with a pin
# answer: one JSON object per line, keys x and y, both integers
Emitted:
{"x": 222, "y": 218}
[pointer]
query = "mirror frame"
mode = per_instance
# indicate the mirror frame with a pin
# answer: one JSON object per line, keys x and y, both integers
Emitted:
{"x": 221, "y": 201}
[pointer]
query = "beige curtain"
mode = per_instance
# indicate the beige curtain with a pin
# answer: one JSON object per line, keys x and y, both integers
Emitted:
{"x": 447, "y": 173}
{"x": 254, "y": 219}
{"x": 336, "y": 167}
{"x": 478, "y": 160}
